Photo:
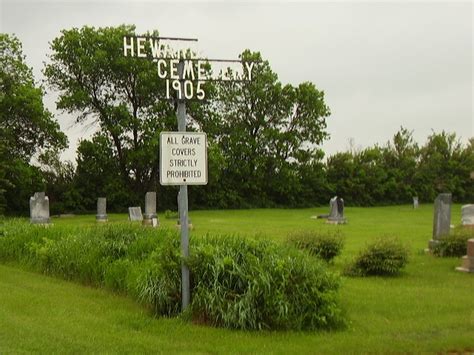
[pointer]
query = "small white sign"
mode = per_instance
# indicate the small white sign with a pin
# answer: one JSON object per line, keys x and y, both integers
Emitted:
{"x": 183, "y": 158}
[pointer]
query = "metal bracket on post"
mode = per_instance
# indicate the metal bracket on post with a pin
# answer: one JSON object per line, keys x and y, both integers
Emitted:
{"x": 183, "y": 202}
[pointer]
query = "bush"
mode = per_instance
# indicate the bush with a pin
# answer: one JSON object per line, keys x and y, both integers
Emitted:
{"x": 454, "y": 244}
{"x": 171, "y": 214}
{"x": 248, "y": 284}
{"x": 385, "y": 257}
{"x": 323, "y": 245}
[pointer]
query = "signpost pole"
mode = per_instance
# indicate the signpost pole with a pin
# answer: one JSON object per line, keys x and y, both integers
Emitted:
{"x": 183, "y": 201}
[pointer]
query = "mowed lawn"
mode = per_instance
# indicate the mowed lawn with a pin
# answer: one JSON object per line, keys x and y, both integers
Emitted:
{"x": 429, "y": 308}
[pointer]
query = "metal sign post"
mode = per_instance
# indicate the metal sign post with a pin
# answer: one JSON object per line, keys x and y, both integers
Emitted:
{"x": 180, "y": 73}
{"x": 183, "y": 203}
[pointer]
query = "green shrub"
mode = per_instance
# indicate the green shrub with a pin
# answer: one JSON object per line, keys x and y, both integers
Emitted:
{"x": 386, "y": 256}
{"x": 326, "y": 245}
{"x": 171, "y": 214}
{"x": 247, "y": 284}
{"x": 454, "y": 244}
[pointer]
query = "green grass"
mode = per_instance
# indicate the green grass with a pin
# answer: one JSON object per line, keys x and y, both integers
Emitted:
{"x": 430, "y": 308}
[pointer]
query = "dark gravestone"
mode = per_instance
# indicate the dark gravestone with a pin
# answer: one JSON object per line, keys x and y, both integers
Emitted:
{"x": 39, "y": 208}
{"x": 441, "y": 218}
{"x": 101, "y": 215}
{"x": 336, "y": 213}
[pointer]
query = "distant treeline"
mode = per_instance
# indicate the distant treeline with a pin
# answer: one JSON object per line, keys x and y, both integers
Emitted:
{"x": 379, "y": 175}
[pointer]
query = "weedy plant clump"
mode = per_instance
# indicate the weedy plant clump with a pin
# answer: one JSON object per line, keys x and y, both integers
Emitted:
{"x": 386, "y": 256}
{"x": 236, "y": 282}
{"x": 324, "y": 245}
{"x": 454, "y": 244}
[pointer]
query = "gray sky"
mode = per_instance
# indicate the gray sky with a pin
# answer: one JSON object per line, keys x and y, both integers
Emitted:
{"x": 382, "y": 65}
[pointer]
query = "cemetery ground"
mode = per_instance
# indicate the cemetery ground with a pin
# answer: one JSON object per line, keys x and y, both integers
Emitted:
{"x": 428, "y": 308}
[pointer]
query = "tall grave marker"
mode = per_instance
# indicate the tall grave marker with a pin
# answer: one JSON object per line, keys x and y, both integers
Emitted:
{"x": 101, "y": 215}
{"x": 336, "y": 213}
{"x": 150, "y": 217}
{"x": 441, "y": 218}
{"x": 183, "y": 156}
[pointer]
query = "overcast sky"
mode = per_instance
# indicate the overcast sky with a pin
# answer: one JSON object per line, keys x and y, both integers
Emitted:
{"x": 382, "y": 65}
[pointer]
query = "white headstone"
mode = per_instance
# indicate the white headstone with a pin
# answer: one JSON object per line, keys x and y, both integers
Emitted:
{"x": 39, "y": 208}
{"x": 415, "y": 202}
{"x": 135, "y": 214}
{"x": 467, "y": 215}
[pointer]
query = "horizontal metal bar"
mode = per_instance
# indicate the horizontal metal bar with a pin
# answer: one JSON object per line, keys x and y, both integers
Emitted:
{"x": 175, "y": 38}
{"x": 200, "y": 59}
{"x": 211, "y": 60}
{"x": 204, "y": 80}
{"x": 165, "y": 38}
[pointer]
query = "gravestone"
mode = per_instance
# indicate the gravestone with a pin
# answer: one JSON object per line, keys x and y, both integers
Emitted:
{"x": 336, "y": 211}
{"x": 101, "y": 215}
{"x": 39, "y": 208}
{"x": 415, "y": 202}
{"x": 467, "y": 215}
{"x": 135, "y": 214}
{"x": 468, "y": 260}
{"x": 150, "y": 210}
{"x": 441, "y": 218}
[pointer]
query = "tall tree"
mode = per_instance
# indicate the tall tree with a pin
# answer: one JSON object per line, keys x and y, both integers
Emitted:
{"x": 400, "y": 159}
{"x": 445, "y": 166}
{"x": 266, "y": 131}
{"x": 27, "y": 128}
{"x": 123, "y": 94}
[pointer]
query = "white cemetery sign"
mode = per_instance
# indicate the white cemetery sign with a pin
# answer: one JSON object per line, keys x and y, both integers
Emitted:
{"x": 188, "y": 85}
{"x": 183, "y": 155}
{"x": 183, "y": 158}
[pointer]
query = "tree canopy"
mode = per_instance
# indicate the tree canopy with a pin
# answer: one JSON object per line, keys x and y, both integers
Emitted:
{"x": 97, "y": 83}
{"x": 258, "y": 130}
{"x": 27, "y": 128}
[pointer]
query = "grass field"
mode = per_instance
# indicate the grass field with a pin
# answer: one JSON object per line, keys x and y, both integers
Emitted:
{"x": 429, "y": 308}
